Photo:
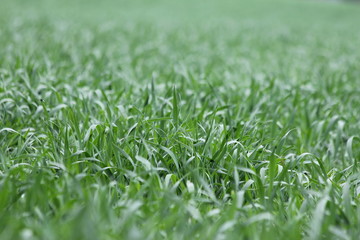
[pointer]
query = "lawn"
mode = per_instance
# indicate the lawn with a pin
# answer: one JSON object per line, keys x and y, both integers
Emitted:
{"x": 179, "y": 119}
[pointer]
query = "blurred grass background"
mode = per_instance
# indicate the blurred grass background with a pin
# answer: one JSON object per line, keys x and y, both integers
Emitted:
{"x": 190, "y": 12}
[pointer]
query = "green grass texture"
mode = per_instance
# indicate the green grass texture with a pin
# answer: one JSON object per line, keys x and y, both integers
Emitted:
{"x": 184, "y": 119}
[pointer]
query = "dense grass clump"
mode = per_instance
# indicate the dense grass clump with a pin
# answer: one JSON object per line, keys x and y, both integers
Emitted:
{"x": 169, "y": 120}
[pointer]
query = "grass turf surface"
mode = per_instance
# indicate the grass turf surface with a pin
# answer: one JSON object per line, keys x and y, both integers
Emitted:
{"x": 191, "y": 120}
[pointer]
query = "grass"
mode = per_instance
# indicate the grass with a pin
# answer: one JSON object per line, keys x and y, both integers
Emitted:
{"x": 179, "y": 120}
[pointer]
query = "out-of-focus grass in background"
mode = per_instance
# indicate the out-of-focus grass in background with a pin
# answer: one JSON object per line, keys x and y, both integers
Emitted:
{"x": 179, "y": 119}
{"x": 185, "y": 11}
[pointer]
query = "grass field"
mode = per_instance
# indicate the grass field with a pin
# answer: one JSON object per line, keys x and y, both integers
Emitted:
{"x": 179, "y": 120}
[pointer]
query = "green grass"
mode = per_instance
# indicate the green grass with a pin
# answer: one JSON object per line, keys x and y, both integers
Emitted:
{"x": 179, "y": 120}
